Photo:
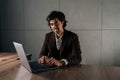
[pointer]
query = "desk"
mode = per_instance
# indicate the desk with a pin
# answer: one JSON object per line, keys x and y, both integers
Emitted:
{"x": 80, "y": 72}
{"x": 9, "y": 60}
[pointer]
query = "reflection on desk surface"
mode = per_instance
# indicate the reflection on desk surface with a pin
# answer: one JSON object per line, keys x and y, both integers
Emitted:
{"x": 7, "y": 58}
{"x": 79, "y": 72}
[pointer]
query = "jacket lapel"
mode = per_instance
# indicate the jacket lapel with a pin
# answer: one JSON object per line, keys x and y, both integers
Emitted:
{"x": 53, "y": 40}
{"x": 64, "y": 40}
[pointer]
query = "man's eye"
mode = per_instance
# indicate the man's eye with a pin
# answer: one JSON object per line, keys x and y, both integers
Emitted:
{"x": 56, "y": 23}
{"x": 51, "y": 24}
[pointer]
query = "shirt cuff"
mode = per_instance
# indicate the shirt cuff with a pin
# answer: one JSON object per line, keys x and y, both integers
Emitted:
{"x": 66, "y": 62}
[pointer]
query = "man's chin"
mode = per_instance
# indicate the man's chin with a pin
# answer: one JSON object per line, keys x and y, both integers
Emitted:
{"x": 56, "y": 31}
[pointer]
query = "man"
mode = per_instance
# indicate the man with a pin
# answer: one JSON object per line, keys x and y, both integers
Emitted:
{"x": 61, "y": 47}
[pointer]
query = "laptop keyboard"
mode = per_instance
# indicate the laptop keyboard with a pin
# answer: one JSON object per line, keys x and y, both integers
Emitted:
{"x": 36, "y": 65}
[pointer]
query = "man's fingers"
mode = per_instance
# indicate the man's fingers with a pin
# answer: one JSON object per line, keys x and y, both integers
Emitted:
{"x": 42, "y": 59}
{"x": 50, "y": 61}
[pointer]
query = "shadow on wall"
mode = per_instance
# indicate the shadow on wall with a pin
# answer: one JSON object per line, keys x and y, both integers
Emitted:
{"x": 117, "y": 56}
{"x": 116, "y": 52}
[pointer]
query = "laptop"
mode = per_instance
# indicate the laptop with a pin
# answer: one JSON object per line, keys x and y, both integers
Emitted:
{"x": 33, "y": 66}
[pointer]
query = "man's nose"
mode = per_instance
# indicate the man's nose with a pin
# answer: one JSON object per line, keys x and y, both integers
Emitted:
{"x": 55, "y": 25}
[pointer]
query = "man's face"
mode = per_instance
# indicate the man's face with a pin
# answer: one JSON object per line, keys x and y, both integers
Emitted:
{"x": 56, "y": 25}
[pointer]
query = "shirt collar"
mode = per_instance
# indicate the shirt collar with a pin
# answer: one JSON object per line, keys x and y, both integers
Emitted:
{"x": 59, "y": 37}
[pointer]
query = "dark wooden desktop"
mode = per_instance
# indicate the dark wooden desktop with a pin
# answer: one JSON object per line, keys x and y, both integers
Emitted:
{"x": 15, "y": 71}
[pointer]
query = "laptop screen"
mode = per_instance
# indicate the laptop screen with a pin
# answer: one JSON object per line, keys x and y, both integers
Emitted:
{"x": 21, "y": 54}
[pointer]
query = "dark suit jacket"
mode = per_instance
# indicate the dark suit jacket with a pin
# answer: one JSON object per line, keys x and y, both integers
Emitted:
{"x": 70, "y": 47}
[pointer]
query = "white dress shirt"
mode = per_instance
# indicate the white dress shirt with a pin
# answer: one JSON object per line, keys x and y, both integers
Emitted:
{"x": 58, "y": 45}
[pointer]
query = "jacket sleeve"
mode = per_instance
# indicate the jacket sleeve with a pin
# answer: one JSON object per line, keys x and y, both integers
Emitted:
{"x": 44, "y": 49}
{"x": 75, "y": 55}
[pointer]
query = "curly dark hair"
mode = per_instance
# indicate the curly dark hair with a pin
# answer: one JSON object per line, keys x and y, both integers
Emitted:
{"x": 57, "y": 14}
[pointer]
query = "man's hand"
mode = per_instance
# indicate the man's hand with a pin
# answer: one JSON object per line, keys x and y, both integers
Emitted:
{"x": 51, "y": 61}
{"x": 42, "y": 59}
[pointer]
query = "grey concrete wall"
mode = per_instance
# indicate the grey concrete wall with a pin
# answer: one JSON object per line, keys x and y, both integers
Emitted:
{"x": 95, "y": 21}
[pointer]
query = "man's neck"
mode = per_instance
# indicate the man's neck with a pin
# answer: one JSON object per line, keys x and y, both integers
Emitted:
{"x": 59, "y": 35}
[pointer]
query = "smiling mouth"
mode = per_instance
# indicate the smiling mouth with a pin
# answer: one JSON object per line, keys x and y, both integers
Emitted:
{"x": 56, "y": 30}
